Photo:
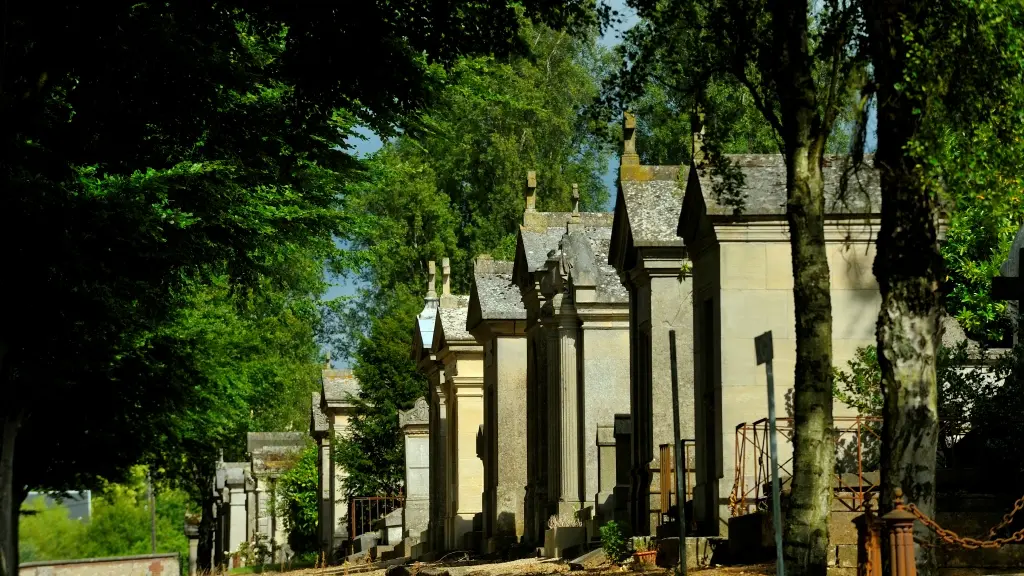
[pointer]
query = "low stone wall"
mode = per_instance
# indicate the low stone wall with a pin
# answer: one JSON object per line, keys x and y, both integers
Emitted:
{"x": 147, "y": 565}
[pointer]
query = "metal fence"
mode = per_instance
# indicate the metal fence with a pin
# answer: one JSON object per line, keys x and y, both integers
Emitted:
{"x": 856, "y": 475}
{"x": 363, "y": 511}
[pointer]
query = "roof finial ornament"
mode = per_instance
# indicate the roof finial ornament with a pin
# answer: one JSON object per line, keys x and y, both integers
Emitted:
{"x": 629, "y": 155}
{"x": 531, "y": 191}
{"x": 697, "y": 126}
{"x": 446, "y": 277}
{"x": 576, "y": 199}
{"x": 327, "y": 362}
{"x": 431, "y": 280}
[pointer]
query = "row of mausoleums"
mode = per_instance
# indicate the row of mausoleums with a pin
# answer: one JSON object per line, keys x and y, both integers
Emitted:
{"x": 550, "y": 404}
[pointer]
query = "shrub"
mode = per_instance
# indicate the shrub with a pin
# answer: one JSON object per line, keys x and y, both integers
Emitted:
{"x": 613, "y": 540}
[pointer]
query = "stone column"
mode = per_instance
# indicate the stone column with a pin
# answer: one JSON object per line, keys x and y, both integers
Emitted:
{"x": 236, "y": 518}
{"x": 554, "y": 431}
{"x": 326, "y": 509}
{"x": 468, "y": 498}
{"x": 438, "y": 468}
{"x": 192, "y": 533}
{"x": 415, "y": 424}
{"x": 250, "y": 507}
{"x": 568, "y": 408}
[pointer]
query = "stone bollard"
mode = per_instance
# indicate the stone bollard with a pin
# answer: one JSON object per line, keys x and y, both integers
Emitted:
{"x": 192, "y": 533}
{"x": 869, "y": 541}
{"x": 900, "y": 527}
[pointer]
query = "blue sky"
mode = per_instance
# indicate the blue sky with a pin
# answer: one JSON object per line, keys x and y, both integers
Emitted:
{"x": 367, "y": 142}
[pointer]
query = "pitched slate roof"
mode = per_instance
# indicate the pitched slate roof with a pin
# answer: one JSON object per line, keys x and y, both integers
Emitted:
{"x": 495, "y": 293}
{"x": 764, "y": 186}
{"x": 338, "y": 385}
{"x": 652, "y": 208}
{"x": 318, "y": 420}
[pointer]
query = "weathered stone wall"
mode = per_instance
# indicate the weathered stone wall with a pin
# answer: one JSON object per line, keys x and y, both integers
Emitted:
{"x": 148, "y": 565}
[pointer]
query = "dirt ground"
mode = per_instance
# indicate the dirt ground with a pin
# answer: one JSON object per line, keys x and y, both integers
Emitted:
{"x": 543, "y": 567}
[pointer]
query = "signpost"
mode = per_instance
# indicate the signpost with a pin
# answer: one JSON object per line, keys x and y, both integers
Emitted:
{"x": 679, "y": 454}
{"x": 763, "y": 347}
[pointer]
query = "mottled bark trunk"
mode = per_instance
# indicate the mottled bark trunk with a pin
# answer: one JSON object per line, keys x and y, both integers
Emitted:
{"x": 907, "y": 267}
{"x": 806, "y": 530}
{"x": 804, "y": 132}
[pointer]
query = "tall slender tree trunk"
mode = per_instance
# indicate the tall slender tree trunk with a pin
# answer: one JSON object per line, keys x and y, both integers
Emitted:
{"x": 907, "y": 266}
{"x": 8, "y": 513}
{"x": 805, "y": 546}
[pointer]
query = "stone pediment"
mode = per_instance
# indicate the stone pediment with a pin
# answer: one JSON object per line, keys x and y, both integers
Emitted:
{"x": 418, "y": 415}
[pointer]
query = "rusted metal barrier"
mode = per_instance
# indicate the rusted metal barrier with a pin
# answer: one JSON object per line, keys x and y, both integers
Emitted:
{"x": 363, "y": 511}
{"x": 898, "y": 529}
{"x": 869, "y": 542}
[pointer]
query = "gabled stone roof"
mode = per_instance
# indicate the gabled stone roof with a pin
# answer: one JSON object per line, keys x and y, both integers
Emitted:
{"x": 274, "y": 441}
{"x": 652, "y": 209}
{"x": 318, "y": 420}
{"x": 339, "y": 386}
{"x": 586, "y": 252}
{"x": 537, "y": 244}
{"x": 495, "y": 294}
{"x": 764, "y": 186}
{"x": 453, "y": 325}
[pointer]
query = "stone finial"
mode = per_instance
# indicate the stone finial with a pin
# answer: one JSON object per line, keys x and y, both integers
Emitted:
{"x": 629, "y": 155}
{"x": 697, "y": 124}
{"x": 431, "y": 279}
{"x": 576, "y": 199}
{"x": 531, "y": 191}
{"x": 446, "y": 277}
{"x": 327, "y": 361}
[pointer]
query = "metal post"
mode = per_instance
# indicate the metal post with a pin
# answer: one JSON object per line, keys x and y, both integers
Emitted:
{"x": 680, "y": 472}
{"x": 900, "y": 524}
{"x": 763, "y": 347}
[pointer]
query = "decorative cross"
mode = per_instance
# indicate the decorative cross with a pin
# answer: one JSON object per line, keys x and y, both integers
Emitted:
{"x": 431, "y": 279}
{"x": 629, "y": 155}
{"x": 446, "y": 277}
{"x": 531, "y": 191}
{"x": 575, "y": 198}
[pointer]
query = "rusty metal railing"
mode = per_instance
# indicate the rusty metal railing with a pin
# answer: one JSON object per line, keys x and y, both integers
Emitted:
{"x": 363, "y": 511}
{"x": 666, "y": 474}
{"x": 853, "y": 488}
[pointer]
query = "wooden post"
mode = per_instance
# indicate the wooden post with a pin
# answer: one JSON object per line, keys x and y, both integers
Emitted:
{"x": 900, "y": 527}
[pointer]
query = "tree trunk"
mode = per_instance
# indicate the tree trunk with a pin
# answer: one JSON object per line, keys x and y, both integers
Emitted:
{"x": 907, "y": 267}
{"x": 806, "y": 539}
{"x": 810, "y": 502}
{"x": 8, "y": 544}
{"x": 205, "y": 560}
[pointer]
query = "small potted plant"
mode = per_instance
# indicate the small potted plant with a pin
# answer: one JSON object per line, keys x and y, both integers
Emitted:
{"x": 644, "y": 553}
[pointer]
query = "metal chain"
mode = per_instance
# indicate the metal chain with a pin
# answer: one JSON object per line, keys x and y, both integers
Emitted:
{"x": 1007, "y": 519}
{"x": 954, "y": 539}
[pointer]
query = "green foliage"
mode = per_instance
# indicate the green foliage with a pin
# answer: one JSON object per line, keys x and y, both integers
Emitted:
{"x": 613, "y": 540}
{"x": 255, "y": 553}
{"x": 451, "y": 186}
{"x": 642, "y": 543}
{"x": 970, "y": 144}
{"x": 120, "y": 524}
{"x": 967, "y": 391}
{"x": 299, "y": 497}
